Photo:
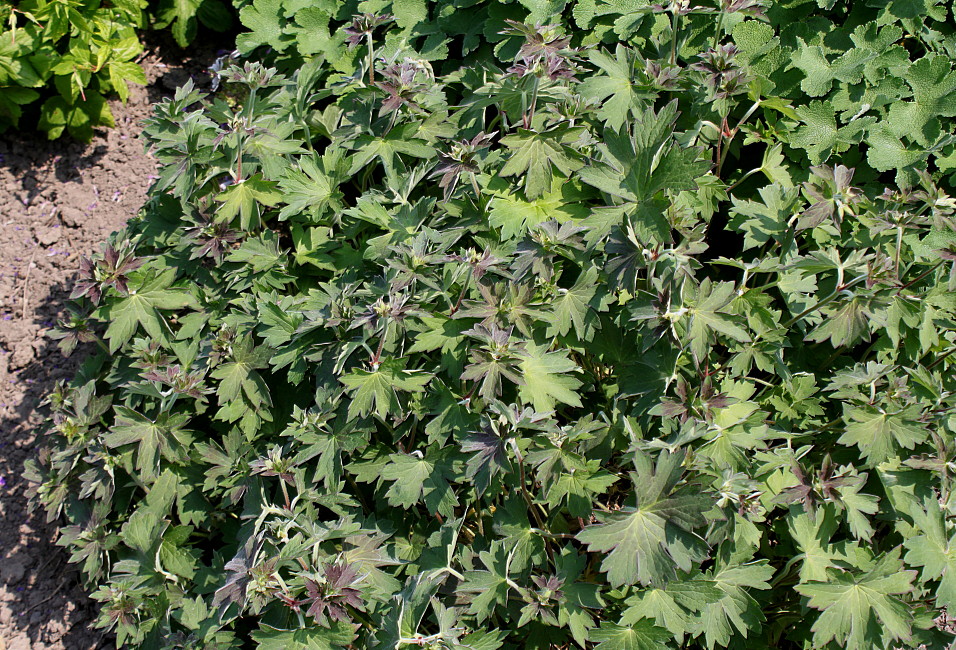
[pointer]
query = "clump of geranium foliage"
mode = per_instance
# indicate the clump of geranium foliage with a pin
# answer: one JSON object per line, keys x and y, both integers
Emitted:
{"x": 579, "y": 339}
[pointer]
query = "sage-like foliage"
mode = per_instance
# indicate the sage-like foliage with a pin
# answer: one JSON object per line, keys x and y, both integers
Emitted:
{"x": 475, "y": 329}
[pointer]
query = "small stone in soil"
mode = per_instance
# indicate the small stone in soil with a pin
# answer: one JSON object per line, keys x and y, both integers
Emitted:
{"x": 22, "y": 355}
{"x": 48, "y": 236}
{"x": 19, "y": 643}
{"x": 12, "y": 571}
{"x": 71, "y": 216}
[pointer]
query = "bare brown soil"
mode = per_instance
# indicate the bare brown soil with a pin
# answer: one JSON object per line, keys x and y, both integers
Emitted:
{"x": 58, "y": 202}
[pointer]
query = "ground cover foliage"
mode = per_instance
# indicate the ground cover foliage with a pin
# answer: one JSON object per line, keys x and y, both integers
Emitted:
{"x": 543, "y": 325}
{"x": 73, "y": 54}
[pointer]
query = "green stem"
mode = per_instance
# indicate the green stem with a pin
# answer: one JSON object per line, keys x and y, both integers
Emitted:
{"x": 247, "y": 113}
{"x": 746, "y": 117}
{"x": 306, "y": 131}
{"x": 530, "y": 502}
{"x": 833, "y": 357}
{"x": 102, "y": 345}
{"x": 366, "y": 174}
{"x": 939, "y": 360}
{"x": 899, "y": 246}
{"x": 785, "y": 571}
{"x": 358, "y": 493}
{"x": 764, "y": 287}
{"x": 836, "y": 292}
{"x": 720, "y": 26}
{"x": 250, "y": 107}
{"x": 461, "y": 296}
{"x": 918, "y": 277}
{"x": 743, "y": 178}
{"x": 391, "y": 121}
{"x": 733, "y": 134}
{"x": 544, "y": 533}
{"x": 675, "y": 22}
{"x": 238, "y": 157}
{"x": 381, "y": 346}
{"x": 825, "y": 366}
{"x": 527, "y": 495}
{"x": 285, "y": 494}
{"x": 371, "y": 60}
{"x": 494, "y": 122}
{"x": 411, "y": 436}
{"x": 534, "y": 102}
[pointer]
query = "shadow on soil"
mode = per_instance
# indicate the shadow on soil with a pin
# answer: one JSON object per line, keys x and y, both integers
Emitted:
{"x": 49, "y": 603}
{"x": 50, "y": 599}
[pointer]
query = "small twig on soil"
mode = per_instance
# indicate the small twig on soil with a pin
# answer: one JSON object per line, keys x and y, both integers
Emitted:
{"x": 45, "y": 600}
{"x": 46, "y": 564}
{"x": 26, "y": 280}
